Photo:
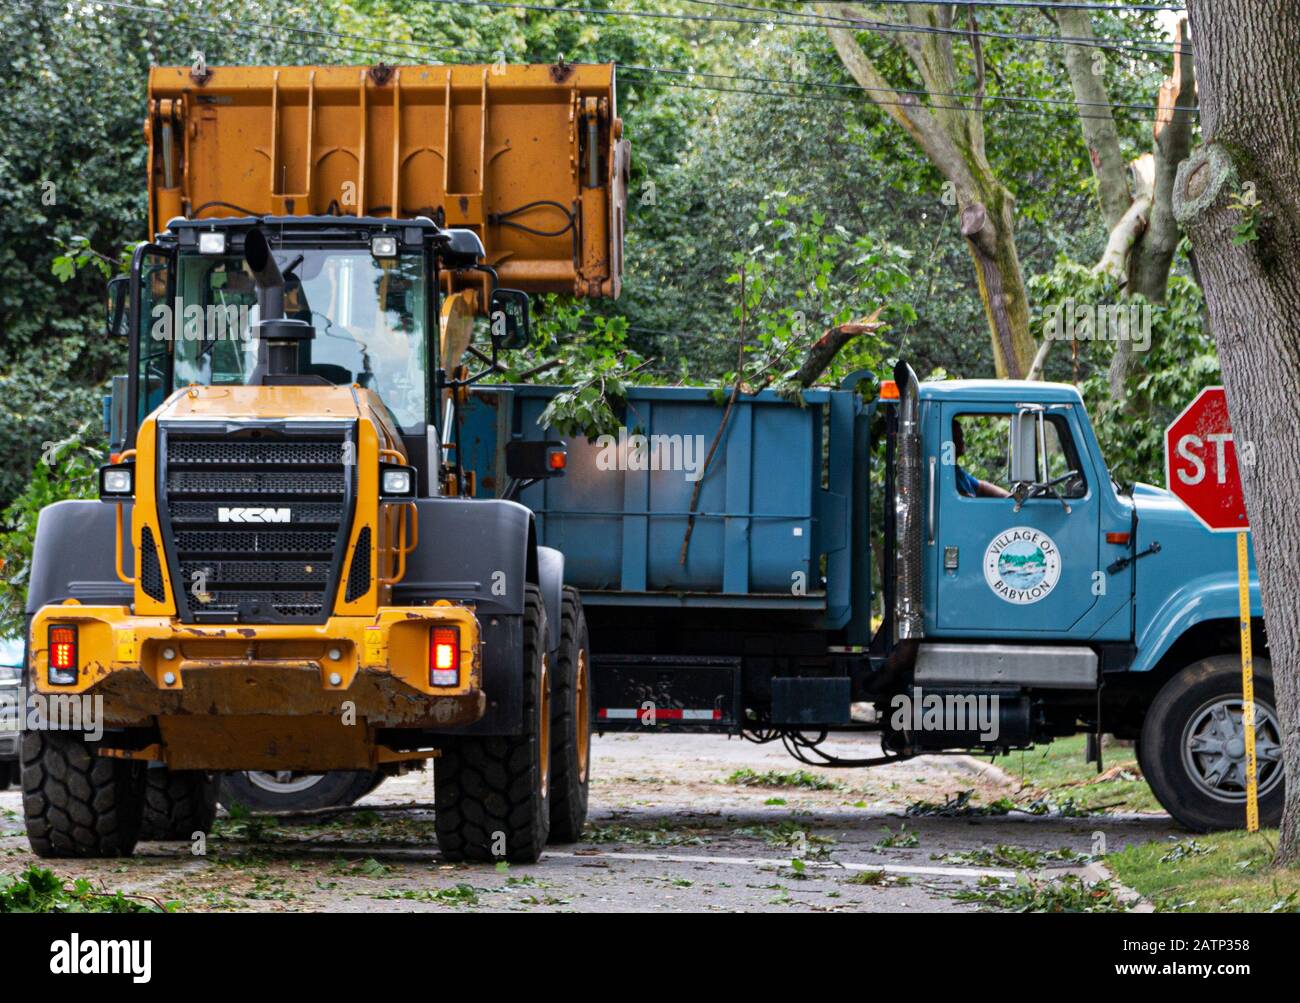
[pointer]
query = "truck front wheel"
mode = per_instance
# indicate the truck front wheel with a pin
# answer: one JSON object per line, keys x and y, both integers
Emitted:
{"x": 76, "y": 803}
{"x": 571, "y": 724}
{"x": 1193, "y": 749}
{"x": 492, "y": 792}
{"x": 178, "y": 803}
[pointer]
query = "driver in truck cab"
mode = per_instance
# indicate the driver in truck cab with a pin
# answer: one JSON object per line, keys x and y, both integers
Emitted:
{"x": 967, "y": 485}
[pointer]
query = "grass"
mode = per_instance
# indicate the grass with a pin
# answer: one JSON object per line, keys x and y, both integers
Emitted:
{"x": 1057, "y": 772}
{"x": 1220, "y": 872}
{"x": 803, "y": 779}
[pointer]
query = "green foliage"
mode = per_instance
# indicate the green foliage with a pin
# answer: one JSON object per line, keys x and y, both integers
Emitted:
{"x": 39, "y": 889}
{"x": 1180, "y": 361}
{"x": 69, "y": 469}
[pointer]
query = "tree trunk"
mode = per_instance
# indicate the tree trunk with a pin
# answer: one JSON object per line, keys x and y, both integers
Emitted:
{"x": 952, "y": 138}
{"x": 1249, "y": 78}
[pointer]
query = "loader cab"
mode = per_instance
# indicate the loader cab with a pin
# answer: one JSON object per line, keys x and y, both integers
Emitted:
{"x": 364, "y": 293}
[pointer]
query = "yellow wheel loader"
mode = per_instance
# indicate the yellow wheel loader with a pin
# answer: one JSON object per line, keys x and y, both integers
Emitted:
{"x": 287, "y": 569}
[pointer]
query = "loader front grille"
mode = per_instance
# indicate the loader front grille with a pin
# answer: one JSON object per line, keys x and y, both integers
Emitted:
{"x": 258, "y": 518}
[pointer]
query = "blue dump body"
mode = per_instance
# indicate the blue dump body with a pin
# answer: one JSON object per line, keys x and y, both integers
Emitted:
{"x": 774, "y": 523}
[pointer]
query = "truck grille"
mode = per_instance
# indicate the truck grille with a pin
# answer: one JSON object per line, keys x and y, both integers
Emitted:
{"x": 258, "y": 519}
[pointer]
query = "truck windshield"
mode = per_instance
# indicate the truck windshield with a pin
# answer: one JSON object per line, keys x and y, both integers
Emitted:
{"x": 369, "y": 314}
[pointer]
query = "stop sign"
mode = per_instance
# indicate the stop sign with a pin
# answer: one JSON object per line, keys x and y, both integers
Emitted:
{"x": 1201, "y": 463}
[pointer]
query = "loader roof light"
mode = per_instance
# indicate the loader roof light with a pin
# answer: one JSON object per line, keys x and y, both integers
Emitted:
{"x": 63, "y": 655}
{"x": 444, "y": 656}
{"x": 888, "y": 390}
{"x": 383, "y": 246}
{"x": 212, "y": 242}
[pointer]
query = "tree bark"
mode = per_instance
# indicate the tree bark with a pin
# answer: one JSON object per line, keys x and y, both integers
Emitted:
{"x": 1099, "y": 131}
{"x": 1249, "y": 79}
{"x": 952, "y": 139}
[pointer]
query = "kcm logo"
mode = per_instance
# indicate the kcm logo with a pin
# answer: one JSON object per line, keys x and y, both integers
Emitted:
{"x": 252, "y": 514}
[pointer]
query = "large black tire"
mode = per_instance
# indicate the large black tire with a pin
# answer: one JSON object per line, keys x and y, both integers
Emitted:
{"x": 492, "y": 792}
{"x": 1191, "y": 750}
{"x": 331, "y": 790}
{"x": 179, "y": 803}
{"x": 76, "y": 803}
{"x": 571, "y": 724}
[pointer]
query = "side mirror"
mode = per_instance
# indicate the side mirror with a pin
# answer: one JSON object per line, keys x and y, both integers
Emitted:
{"x": 508, "y": 313}
{"x": 1026, "y": 437}
{"x": 115, "y": 322}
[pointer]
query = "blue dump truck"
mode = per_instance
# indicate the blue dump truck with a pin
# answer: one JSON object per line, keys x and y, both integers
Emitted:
{"x": 953, "y": 554}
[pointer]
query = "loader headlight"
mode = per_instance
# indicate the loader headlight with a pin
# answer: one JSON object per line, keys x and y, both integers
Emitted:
{"x": 212, "y": 242}
{"x": 396, "y": 483}
{"x": 383, "y": 246}
{"x": 117, "y": 482}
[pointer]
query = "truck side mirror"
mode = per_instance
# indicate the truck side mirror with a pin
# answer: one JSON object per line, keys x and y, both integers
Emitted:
{"x": 115, "y": 321}
{"x": 1026, "y": 435}
{"x": 508, "y": 313}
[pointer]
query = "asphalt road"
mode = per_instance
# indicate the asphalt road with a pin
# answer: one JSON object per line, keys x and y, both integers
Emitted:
{"x": 671, "y": 829}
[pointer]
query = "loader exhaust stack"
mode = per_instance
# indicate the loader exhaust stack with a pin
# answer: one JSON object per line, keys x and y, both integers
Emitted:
{"x": 278, "y": 337}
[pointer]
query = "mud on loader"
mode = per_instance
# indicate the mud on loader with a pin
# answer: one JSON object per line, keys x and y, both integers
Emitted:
{"x": 287, "y": 568}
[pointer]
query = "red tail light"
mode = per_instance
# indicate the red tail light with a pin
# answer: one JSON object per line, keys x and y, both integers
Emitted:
{"x": 444, "y": 656}
{"x": 63, "y": 656}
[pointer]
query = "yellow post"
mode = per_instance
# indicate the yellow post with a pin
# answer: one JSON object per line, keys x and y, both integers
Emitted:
{"x": 1247, "y": 681}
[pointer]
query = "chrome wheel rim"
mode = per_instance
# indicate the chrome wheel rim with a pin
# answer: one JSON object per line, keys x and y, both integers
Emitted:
{"x": 284, "y": 781}
{"x": 1214, "y": 749}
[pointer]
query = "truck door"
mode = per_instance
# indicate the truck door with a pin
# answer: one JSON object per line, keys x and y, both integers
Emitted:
{"x": 1001, "y": 571}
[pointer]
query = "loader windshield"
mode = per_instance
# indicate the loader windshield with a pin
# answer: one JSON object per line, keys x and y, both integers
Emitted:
{"x": 370, "y": 316}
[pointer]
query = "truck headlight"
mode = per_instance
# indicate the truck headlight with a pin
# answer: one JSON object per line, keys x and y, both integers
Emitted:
{"x": 383, "y": 246}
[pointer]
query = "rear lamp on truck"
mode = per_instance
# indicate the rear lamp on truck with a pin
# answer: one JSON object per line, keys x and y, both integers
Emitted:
{"x": 444, "y": 656}
{"x": 396, "y": 483}
{"x": 557, "y": 459}
{"x": 212, "y": 242}
{"x": 63, "y": 656}
{"x": 116, "y": 482}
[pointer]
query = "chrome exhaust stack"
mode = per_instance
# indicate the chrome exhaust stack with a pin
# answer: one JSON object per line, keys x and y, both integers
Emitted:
{"x": 909, "y": 616}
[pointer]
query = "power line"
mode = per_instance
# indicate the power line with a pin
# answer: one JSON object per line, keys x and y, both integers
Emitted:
{"x": 920, "y": 92}
{"x": 794, "y": 95}
{"x": 423, "y": 49}
{"x": 833, "y": 20}
{"x": 1029, "y": 4}
{"x": 825, "y": 21}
